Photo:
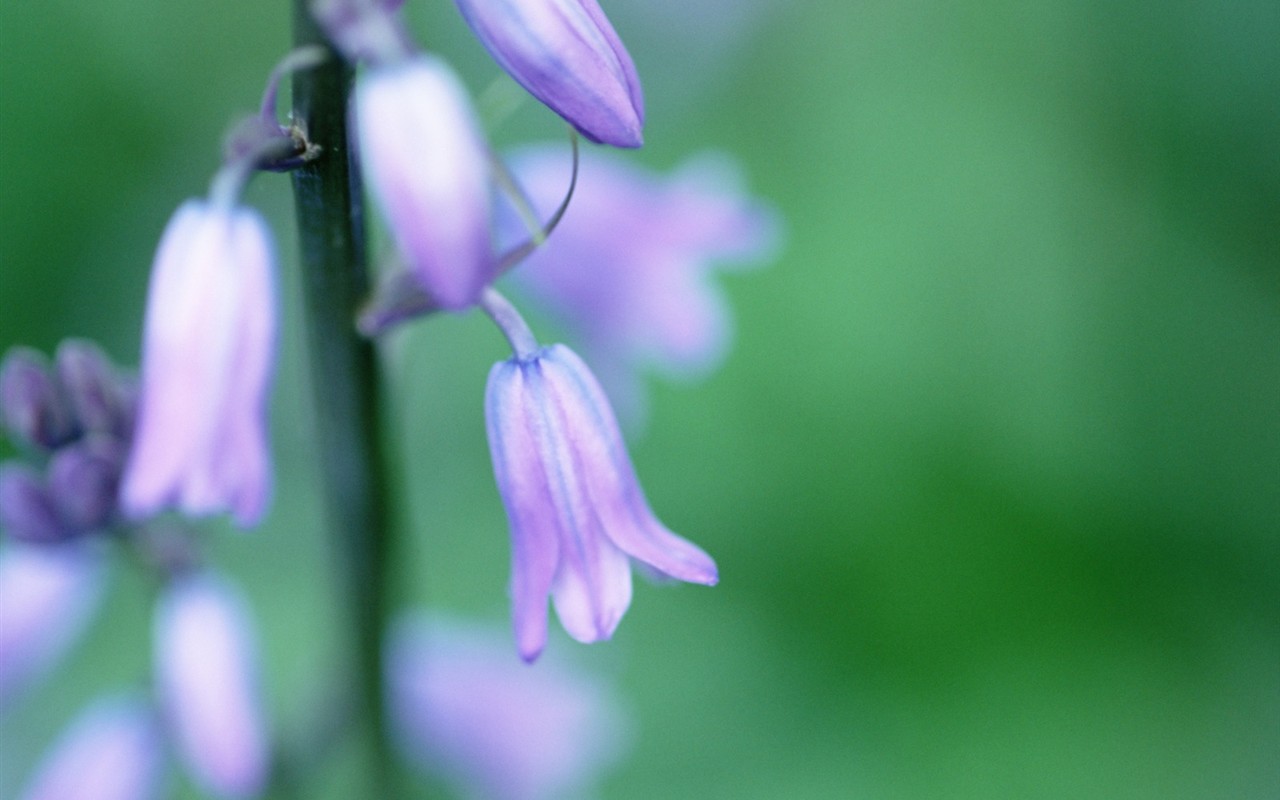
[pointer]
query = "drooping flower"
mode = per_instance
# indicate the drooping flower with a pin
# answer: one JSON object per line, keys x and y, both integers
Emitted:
{"x": 628, "y": 272}
{"x": 47, "y": 595}
{"x": 428, "y": 169}
{"x": 468, "y": 710}
{"x": 207, "y": 678}
{"x": 207, "y": 358}
{"x": 113, "y": 751}
{"x": 576, "y": 510}
{"x": 566, "y": 54}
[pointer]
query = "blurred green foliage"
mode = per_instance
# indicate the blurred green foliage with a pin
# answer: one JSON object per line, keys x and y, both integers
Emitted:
{"x": 992, "y": 475}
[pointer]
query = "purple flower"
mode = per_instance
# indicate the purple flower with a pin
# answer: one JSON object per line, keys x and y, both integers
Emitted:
{"x": 206, "y": 671}
{"x": 47, "y": 595}
{"x": 111, "y": 752}
{"x": 465, "y": 707}
{"x": 207, "y": 359}
{"x": 32, "y": 404}
{"x": 577, "y": 512}
{"x": 566, "y": 54}
{"x": 628, "y": 271}
{"x": 428, "y": 168}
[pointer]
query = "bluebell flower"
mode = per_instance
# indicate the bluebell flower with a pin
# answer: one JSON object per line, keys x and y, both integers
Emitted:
{"x": 577, "y": 513}
{"x": 207, "y": 358}
{"x": 427, "y": 166}
{"x": 112, "y": 751}
{"x": 629, "y": 272}
{"x": 566, "y": 54}
{"x": 207, "y": 683}
{"x": 469, "y": 711}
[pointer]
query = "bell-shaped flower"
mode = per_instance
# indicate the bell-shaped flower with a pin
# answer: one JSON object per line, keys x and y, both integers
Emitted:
{"x": 113, "y": 751}
{"x": 207, "y": 680}
{"x": 47, "y": 596}
{"x": 566, "y": 54}
{"x": 576, "y": 510}
{"x": 629, "y": 270}
{"x": 469, "y": 711}
{"x": 207, "y": 358}
{"x": 427, "y": 166}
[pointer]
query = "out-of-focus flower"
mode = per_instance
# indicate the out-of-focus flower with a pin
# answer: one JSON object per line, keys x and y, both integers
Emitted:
{"x": 466, "y": 708}
{"x": 628, "y": 271}
{"x": 47, "y": 595}
{"x": 102, "y": 401}
{"x": 427, "y": 165}
{"x": 207, "y": 359}
{"x": 28, "y": 512}
{"x": 112, "y": 751}
{"x": 576, "y": 510}
{"x": 32, "y": 405}
{"x": 566, "y": 54}
{"x": 207, "y": 679}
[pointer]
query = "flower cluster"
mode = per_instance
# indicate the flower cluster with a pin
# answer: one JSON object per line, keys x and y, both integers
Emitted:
{"x": 625, "y": 271}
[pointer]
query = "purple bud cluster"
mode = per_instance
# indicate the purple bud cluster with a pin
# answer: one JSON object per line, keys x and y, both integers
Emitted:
{"x": 74, "y": 419}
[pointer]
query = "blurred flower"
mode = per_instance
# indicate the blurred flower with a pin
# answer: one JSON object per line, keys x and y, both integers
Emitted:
{"x": 111, "y": 752}
{"x": 32, "y": 405}
{"x": 566, "y": 54}
{"x": 499, "y": 729}
{"x": 27, "y": 509}
{"x": 47, "y": 595}
{"x": 576, "y": 509}
{"x": 207, "y": 682}
{"x": 427, "y": 166}
{"x": 628, "y": 270}
{"x": 206, "y": 364}
{"x": 102, "y": 401}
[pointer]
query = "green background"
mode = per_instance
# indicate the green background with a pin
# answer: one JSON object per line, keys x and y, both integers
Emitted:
{"x": 992, "y": 474}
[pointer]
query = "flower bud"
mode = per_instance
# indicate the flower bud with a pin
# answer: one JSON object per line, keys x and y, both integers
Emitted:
{"x": 427, "y": 166}
{"x": 31, "y": 403}
{"x": 28, "y": 512}
{"x": 84, "y": 481}
{"x": 96, "y": 395}
{"x": 566, "y": 54}
{"x": 207, "y": 674}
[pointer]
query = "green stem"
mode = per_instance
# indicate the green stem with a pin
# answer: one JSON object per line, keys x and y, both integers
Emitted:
{"x": 345, "y": 381}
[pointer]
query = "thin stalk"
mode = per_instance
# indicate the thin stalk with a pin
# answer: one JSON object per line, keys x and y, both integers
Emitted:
{"x": 346, "y": 385}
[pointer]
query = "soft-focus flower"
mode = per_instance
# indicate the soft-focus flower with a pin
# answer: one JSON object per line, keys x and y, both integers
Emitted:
{"x": 112, "y": 751}
{"x": 207, "y": 359}
{"x": 207, "y": 679}
{"x": 47, "y": 595}
{"x": 427, "y": 165}
{"x": 628, "y": 271}
{"x": 32, "y": 406}
{"x": 577, "y": 511}
{"x": 466, "y": 708}
{"x": 566, "y": 54}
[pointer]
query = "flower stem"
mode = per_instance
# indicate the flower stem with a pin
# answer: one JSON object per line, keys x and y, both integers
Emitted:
{"x": 345, "y": 382}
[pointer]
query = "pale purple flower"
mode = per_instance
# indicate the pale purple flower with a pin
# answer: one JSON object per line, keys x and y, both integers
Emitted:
{"x": 32, "y": 405}
{"x": 566, "y": 54}
{"x": 465, "y": 707}
{"x": 629, "y": 270}
{"x": 207, "y": 359}
{"x": 207, "y": 683}
{"x": 427, "y": 165}
{"x": 112, "y": 751}
{"x": 577, "y": 512}
{"x": 47, "y": 595}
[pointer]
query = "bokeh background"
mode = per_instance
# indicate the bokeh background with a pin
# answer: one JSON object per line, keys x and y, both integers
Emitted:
{"x": 991, "y": 474}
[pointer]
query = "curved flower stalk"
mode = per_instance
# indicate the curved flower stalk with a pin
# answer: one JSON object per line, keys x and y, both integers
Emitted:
{"x": 208, "y": 354}
{"x": 206, "y": 671}
{"x": 111, "y": 752}
{"x": 566, "y": 54}
{"x": 629, "y": 270}
{"x": 427, "y": 166}
{"x": 47, "y": 596}
{"x": 465, "y": 708}
{"x": 577, "y": 512}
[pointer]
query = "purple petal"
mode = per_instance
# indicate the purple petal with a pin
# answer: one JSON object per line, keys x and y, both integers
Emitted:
{"x": 497, "y": 728}
{"x": 427, "y": 166}
{"x": 111, "y": 752}
{"x": 84, "y": 481}
{"x": 47, "y": 595}
{"x": 32, "y": 406}
{"x": 566, "y": 54}
{"x": 206, "y": 670}
{"x": 93, "y": 390}
{"x": 206, "y": 362}
{"x": 28, "y": 512}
